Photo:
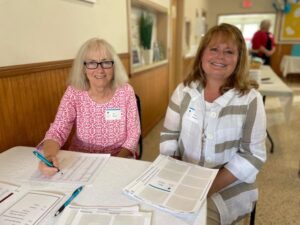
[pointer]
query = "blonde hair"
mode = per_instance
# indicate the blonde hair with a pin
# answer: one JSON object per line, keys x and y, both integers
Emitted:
{"x": 239, "y": 79}
{"x": 77, "y": 77}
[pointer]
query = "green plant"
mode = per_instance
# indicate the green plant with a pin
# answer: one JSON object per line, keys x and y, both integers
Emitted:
{"x": 146, "y": 25}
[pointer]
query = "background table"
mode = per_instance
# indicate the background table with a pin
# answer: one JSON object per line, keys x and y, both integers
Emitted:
{"x": 275, "y": 87}
{"x": 272, "y": 85}
{"x": 106, "y": 190}
{"x": 290, "y": 64}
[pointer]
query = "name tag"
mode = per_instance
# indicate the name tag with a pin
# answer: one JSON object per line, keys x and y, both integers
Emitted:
{"x": 113, "y": 114}
{"x": 191, "y": 112}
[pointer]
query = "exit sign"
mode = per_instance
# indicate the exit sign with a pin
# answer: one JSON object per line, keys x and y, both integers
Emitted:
{"x": 247, "y": 4}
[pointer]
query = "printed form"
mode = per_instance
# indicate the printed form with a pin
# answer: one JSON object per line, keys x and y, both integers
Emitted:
{"x": 172, "y": 185}
{"x": 117, "y": 215}
{"x": 75, "y": 168}
{"x": 30, "y": 209}
{"x": 6, "y": 190}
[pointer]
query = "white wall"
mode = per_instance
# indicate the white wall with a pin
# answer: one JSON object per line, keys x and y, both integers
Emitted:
{"x": 164, "y": 3}
{"x": 191, "y": 8}
{"x": 49, "y": 30}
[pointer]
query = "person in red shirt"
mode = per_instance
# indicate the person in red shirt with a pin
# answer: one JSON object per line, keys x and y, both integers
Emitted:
{"x": 263, "y": 44}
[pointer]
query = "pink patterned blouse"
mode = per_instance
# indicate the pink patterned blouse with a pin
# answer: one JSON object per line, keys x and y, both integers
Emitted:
{"x": 100, "y": 128}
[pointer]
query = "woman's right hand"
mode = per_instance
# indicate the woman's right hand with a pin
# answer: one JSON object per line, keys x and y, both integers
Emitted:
{"x": 50, "y": 150}
{"x": 49, "y": 171}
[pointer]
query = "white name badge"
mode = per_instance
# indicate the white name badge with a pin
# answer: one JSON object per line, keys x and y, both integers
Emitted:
{"x": 191, "y": 112}
{"x": 113, "y": 114}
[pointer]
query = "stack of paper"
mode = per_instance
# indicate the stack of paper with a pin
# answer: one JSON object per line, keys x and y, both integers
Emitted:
{"x": 172, "y": 185}
{"x": 7, "y": 190}
{"x": 118, "y": 215}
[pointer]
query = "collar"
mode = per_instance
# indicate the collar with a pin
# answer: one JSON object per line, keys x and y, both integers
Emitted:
{"x": 195, "y": 90}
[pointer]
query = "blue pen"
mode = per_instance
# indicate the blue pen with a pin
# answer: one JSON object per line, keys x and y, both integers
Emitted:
{"x": 74, "y": 194}
{"x": 44, "y": 160}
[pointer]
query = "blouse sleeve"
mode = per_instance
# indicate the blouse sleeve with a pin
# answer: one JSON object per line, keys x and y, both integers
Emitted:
{"x": 252, "y": 151}
{"x": 61, "y": 127}
{"x": 171, "y": 129}
{"x": 133, "y": 127}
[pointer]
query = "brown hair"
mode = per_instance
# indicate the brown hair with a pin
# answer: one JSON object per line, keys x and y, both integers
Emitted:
{"x": 239, "y": 79}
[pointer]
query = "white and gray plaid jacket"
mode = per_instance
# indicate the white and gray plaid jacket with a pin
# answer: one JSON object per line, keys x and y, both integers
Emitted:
{"x": 235, "y": 133}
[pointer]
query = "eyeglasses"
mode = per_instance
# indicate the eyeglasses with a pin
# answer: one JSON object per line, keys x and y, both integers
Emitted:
{"x": 94, "y": 65}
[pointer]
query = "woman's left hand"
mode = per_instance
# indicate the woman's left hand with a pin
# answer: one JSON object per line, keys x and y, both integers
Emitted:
{"x": 124, "y": 153}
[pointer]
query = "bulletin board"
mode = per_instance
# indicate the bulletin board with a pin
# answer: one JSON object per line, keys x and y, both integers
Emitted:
{"x": 290, "y": 25}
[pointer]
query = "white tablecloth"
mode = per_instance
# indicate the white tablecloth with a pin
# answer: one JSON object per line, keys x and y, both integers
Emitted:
{"x": 274, "y": 86}
{"x": 290, "y": 64}
{"x": 106, "y": 190}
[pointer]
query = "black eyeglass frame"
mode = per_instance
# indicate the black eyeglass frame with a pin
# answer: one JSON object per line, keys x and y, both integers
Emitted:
{"x": 99, "y": 63}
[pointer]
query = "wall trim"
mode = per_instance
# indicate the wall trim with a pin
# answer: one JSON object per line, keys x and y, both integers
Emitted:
{"x": 16, "y": 70}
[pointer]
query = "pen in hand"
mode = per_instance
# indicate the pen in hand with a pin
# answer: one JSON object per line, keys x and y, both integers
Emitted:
{"x": 74, "y": 194}
{"x": 44, "y": 160}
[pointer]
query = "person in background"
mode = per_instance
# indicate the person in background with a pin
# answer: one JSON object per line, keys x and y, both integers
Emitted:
{"x": 216, "y": 119}
{"x": 263, "y": 44}
{"x": 99, "y": 103}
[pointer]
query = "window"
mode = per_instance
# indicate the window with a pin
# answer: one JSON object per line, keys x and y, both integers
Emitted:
{"x": 248, "y": 23}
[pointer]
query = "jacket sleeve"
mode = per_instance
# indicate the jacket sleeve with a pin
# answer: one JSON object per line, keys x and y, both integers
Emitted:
{"x": 171, "y": 128}
{"x": 252, "y": 150}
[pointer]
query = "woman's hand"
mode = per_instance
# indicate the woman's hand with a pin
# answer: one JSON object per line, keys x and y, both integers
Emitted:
{"x": 50, "y": 150}
{"x": 124, "y": 153}
{"x": 49, "y": 171}
{"x": 222, "y": 180}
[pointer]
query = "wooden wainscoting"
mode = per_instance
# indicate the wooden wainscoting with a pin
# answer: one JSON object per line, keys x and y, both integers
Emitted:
{"x": 152, "y": 87}
{"x": 30, "y": 95}
{"x": 29, "y": 102}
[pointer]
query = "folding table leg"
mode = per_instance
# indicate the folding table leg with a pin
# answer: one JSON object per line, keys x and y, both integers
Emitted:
{"x": 268, "y": 134}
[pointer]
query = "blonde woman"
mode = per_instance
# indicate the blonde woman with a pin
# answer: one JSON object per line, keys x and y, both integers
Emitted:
{"x": 216, "y": 119}
{"x": 99, "y": 103}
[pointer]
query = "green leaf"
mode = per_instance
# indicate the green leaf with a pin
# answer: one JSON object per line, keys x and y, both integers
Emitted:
{"x": 146, "y": 25}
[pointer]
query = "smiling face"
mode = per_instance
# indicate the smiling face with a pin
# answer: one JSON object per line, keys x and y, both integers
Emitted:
{"x": 99, "y": 77}
{"x": 219, "y": 59}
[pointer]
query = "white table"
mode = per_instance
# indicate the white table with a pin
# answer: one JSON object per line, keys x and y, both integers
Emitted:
{"x": 272, "y": 85}
{"x": 106, "y": 190}
{"x": 290, "y": 64}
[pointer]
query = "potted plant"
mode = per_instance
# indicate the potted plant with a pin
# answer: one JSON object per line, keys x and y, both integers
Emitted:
{"x": 145, "y": 28}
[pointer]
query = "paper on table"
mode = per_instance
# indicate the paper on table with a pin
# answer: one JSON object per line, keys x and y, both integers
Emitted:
{"x": 6, "y": 189}
{"x": 75, "y": 167}
{"x": 172, "y": 185}
{"x": 30, "y": 209}
{"x": 115, "y": 215}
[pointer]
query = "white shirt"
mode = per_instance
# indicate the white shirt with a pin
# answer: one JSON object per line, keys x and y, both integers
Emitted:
{"x": 235, "y": 131}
